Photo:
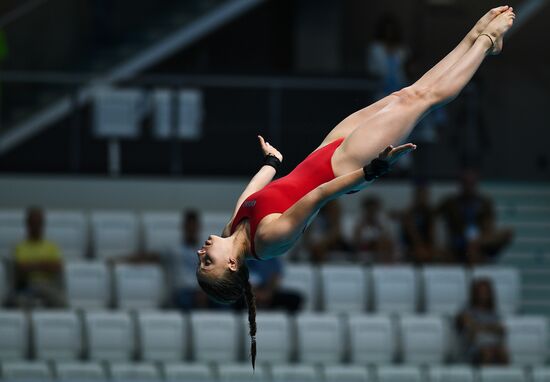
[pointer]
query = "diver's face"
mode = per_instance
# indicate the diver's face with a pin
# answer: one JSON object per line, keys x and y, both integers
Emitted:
{"x": 215, "y": 256}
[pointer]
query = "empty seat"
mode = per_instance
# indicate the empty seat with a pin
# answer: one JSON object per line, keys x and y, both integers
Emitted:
{"x": 527, "y": 339}
{"x": 395, "y": 289}
{"x": 506, "y": 285}
{"x": 162, "y": 335}
{"x": 320, "y": 338}
{"x": 274, "y": 337}
{"x": 161, "y": 231}
{"x": 138, "y": 286}
{"x": 12, "y": 230}
{"x": 14, "y": 332}
{"x": 303, "y": 279}
{"x": 372, "y": 339}
{"x": 501, "y": 374}
{"x": 344, "y": 288}
{"x": 541, "y": 374}
{"x": 68, "y": 229}
{"x": 125, "y": 372}
{"x": 214, "y": 336}
{"x": 451, "y": 374}
{"x": 424, "y": 339}
{"x": 110, "y": 336}
{"x": 213, "y": 223}
{"x": 399, "y": 374}
{"x": 177, "y": 372}
{"x": 87, "y": 284}
{"x": 295, "y": 373}
{"x": 26, "y": 371}
{"x": 114, "y": 234}
{"x": 444, "y": 289}
{"x": 80, "y": 371}
{"x": 57, "y": 335}
{"x": 346, "y": 373}
{"x": 241, "y": 372}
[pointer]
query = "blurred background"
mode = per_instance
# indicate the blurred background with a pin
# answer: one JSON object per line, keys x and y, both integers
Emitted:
{"x": 128, "y": 131}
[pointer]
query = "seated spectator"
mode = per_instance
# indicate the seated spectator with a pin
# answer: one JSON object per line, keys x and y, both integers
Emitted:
{"x": 470, "y": 219}
{"x": 38, "y": 267}
{"x": 418, "y": 228}
{"x": 372, "y": 234}
{"x": 265, "y": 278}
{"x": 325, "y": 234}
{"x": 480, "y": 327}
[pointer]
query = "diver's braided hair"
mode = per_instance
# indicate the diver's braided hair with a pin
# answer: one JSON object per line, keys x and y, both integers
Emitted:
{"x": 251, "y": 303}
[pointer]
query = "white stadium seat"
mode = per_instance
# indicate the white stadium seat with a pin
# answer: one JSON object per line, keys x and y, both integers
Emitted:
{"x": 395, "y": 289}
{"x": 302, "y": 278}
{"x": 506, "y": 285}
{"x": 162, "y": 231}
{"x": 12, "y": 230}
{"x": 501, "y": 374}
{"x": 399, "y": 374}
{"x": 214, "y": 337}
{"x": 344, "y": 288}
{"x": 241, "y": 372}
{"x": 80, "y": 371}
{"x": 527, "y": 339}
{"x": 138, "y": 286}
{"x": 320, "y": 338}
{"x": 346, "y": 373}
{"x": 178, "y": 372}
{"x": 424, "y": 339}
{"x": 163, "y": 336}
{"x": 541, "y": 374}
{"x": 14, "y": 332}
{"x": 445, "y": 289}
{"x": 273, "y": 336}
{"x": 68, "y": 229}
{"x": 57, "y": 335}
{"x": 372, "y": 339}
{"x": 451, "y": 374}
{"x": 87, "y": 284}
{"x": 295, "y": 373}
{"x": 26, "y": 371}
{"x": 114, "y": 234}
{"x": 110, "y": 336}
{"x": 125, "y": 372}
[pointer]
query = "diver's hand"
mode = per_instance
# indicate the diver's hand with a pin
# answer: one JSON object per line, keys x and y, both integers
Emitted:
{"x": 268, "y": 149}
{"x": 392, "y": 154}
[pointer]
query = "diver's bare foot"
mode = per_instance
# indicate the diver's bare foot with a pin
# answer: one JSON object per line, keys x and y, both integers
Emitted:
{"x": 484, "y": 21}
{"x": 497, "y": 28}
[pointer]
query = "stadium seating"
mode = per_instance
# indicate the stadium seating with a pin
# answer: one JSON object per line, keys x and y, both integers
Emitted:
{"x": 527, "y": 339}
{"x": 162, "y": 336}
{"x": 445, "y": 289}
{"x": 399, "y": 374}
{"x": 274, "y": 337}
{"x": 68, "y": 229}
{"x": 213, "y": 223}
{"x": 541, "y": 374}
{"x": 456, "y": 373}
{"x": 138, "y": 286}
{"x": 372, "y": 339}
{"x": 110, "y": 336}
{"x": 241, "y": 372}
{"x": 320, "y": 338}
{"x": 501, "y": 374}
{"x": 162, "y": 231}
{"x": 295, "y": 373}
{"x": 346, "y": 373}
{"x": 124, "y": 372}
{"x": 395, "y": 289}
{"x": 87, "y": 284}
{"x": 14, "y": 332}
{"x": 57, "y": 335}
{"x": 344, "y": 288}
{"x": 114, "y": 234}
{"x": 506, "y": 283}
{"x": 12, "y": 230}
{"x": 70, "y": 371}
{"x": 177, "y": 372}
{"x": 214, "y": 337}
{"x": 26, "y": 371}
{"x": 304, "y": 279}
{"x": 424, "y": 339}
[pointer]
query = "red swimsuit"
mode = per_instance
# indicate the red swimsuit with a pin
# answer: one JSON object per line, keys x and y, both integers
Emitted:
{"x": 281, "y": 194}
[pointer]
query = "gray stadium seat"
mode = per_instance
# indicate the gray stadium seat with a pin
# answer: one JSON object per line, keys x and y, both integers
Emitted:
{"x": 445, "y": 289}
{"x": 163, "y": 336}
{"x": 161, "y": 231}
{"x": 274, "y": 337}
{"x": 372, "y": 339}
{"x": 501, "y": 374}
{"x": 395, "y": 289}
{"x": 178, "y": 372}
{"x": 451, "y": 374}
{"x": 68, "y": 229}
{"x": 213, "y": 223}
{"x": 26, "y": 371}
{"x": 114, "y": 234}
{"x": 79, "y": 371}
{"x": 506, "y": 284}
{"x": 343, "y": 288}
{"x": 304, "y": 279}
{"x": 527, "y": 339}
{"x": 125, "y": 371}
{"x": 541, "y": 374}
{"x": 57, "y": 335}
{"x": 241, "y": 372}
{"x": 320, "y": 338}
{"x": 295, "y": 373}
{"x": 87, "y": 284}
{"x": 214, "y": 337}
{"x": 346, "y": 373}
{"x": 424, "y": 339}
{"x": 110, "y": 336}
{"x": 14, "y": 332}
{"x": 138, "y": 286}
{"x": 12, "y": 230}
{"x": 399, "y": 374}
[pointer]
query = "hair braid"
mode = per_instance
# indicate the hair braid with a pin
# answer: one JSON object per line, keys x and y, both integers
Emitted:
{"x": 251, "y": 303}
